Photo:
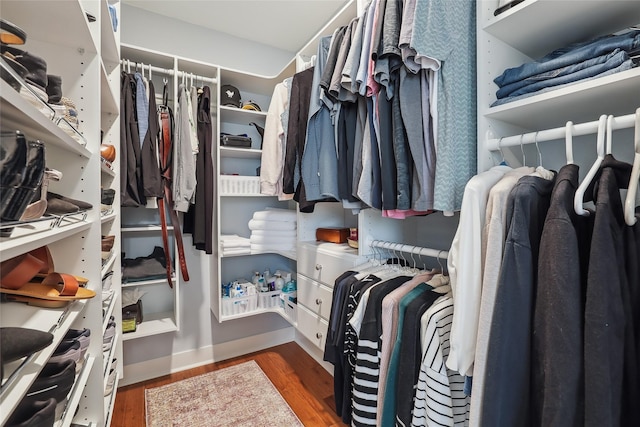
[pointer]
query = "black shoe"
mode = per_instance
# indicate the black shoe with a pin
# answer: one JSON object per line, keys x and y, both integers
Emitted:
{"x": 55, "y": 381}
{"x": 13, "y": 158}
{"x": 36, "y": 414}
{"x": 35, "y": 65}
{"x": 16, "y": 343}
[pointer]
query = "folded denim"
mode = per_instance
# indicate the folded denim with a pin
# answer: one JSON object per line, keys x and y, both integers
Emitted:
{"x": 614, "y": 61}
{"x": 571, "y": 55}
{"x": 627, "y": 65}
{"x": 153, "y": 265}
{"x": 508, "y": 90}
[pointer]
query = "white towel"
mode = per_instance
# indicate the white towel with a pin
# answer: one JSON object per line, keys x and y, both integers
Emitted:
{"x": 269, "y": 240}
{"x": 233, "y": 241}
{"x": 268, "y": 248}
{"x": 276, "y": 215}
{"x": 275, "y": 233}
{"x": 236, "y": 251}
{"x": 256, "y": 224}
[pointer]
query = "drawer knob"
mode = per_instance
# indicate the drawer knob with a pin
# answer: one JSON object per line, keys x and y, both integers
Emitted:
{"x": 318, "y": 301}
{"x": 318, "y": 335}
{"x": 318, "y": 267}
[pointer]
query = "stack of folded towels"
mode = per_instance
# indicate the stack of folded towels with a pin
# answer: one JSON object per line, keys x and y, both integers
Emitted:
{"x": 232, "y": 244}
{"x": 273, "y": 230}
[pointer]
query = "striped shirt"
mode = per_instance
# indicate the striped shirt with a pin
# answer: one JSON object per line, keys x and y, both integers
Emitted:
{"x": 440, "y": 398}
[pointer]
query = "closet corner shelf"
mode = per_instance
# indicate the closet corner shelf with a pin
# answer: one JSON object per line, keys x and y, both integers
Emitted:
{"x": 18, "y": 113}
{"x": 23, "y": 241}
{"x": 26, "y": 316}
{"x": 537, "y": 27}
{"x": 77, "y": 391}
{"x": 585, "y": 100}
{"x": 147, "y": 282}
{"x": 276, "y": 310}
{"x": 292, "y": 255}
{"x": 233, "y": 114}
{"x": 240, "y": 153}
{"x": 153, "y": 324}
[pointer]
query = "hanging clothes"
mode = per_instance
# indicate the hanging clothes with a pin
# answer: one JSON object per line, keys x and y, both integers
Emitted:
{"x": 131, "y": 190}
{"x": 184, "y": 172}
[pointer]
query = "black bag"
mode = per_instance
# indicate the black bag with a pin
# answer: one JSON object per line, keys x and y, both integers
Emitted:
{"x": 239, "y": 141}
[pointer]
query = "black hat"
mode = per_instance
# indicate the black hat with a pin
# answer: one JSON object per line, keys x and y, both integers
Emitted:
{"x": 230, "y": 95}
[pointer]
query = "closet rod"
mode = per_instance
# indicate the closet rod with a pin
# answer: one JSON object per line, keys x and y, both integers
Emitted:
{"x": 410, "y": 249}
{"x": 580, "y": 129}
{"x": 153, "y": 68}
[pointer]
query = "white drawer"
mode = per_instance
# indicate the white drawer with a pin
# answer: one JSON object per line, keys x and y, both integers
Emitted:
{"x": 325, "y": 263}
{"x": 316, "y": 296}
{"x": 313, "y": 327}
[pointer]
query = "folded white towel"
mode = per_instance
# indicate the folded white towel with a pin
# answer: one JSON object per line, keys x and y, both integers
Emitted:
{"x": 266, "y": 240}
{"x": 268, "y": 248}
{"x": 275, "y": 233}
{"x": 236, "y": 251}
{"x": 275, "y": 214}
{"x": 256, "y": 224}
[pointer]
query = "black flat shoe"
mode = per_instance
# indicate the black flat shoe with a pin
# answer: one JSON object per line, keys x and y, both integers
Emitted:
{"x": 16, "y": 343}
{"x": 38, "y": 414}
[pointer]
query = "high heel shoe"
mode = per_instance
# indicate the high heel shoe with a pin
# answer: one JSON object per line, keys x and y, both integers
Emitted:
{"x": 39, "y": 207}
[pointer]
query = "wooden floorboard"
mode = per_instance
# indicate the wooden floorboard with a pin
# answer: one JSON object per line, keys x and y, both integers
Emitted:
{"x": 304, "y": 384}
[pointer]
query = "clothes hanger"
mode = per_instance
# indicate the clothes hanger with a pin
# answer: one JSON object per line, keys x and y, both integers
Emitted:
{"x": 568, "y": 142}
{"x": 582, "y": 188}
{"x": 538, "y": 148}
{"x": 630, "y": 200}
{"x": 609, "y": 140}
{"x": 524, "y": 157}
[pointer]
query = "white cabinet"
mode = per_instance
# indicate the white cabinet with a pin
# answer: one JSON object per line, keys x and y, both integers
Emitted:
{"x": 85, "y": 56}
{"x": 529, "y": 31}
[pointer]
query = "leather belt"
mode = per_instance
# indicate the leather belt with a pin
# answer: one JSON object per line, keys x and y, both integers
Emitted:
{"x": 165, "y": 204}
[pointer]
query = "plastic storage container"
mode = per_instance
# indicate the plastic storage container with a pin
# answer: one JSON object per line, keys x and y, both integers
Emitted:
{"x": 269, "y": 299}
{"x": 231, "y": 306}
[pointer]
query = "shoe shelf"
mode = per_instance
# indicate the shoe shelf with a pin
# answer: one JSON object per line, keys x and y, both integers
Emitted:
{"x": 76, "y": 393}
{"x": 23, "y": 239}
{"x": 19, "y": 375}
{"x": 148, "y": 282}
{"x": 18, "y": 113}
{"x": 108, "y": 216}
{"x": 108, "y": 265}
{"x": 109, "y": 356}
{"x": 110, "y": 400}
{"x": 153, "y": 324}
{"x": 110, "y": 50}
{"x": 240, "y": 153}
{"x": 106, "y": 169}
{"x": 108, "y": 101}
{"x": 109, "y": 311}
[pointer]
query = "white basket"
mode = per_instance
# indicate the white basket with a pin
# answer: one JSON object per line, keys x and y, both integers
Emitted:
{"x": 231, "y": 306}
{"x": 234, "y": 185}
{"x": 269, "y": 299}
{"x": 290, "y": 309}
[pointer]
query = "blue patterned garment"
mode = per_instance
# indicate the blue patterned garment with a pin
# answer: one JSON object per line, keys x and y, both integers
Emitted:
{"x": 445, "y": 30}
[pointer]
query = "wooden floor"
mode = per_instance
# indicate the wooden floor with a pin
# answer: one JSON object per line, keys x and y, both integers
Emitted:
{"x": 304, "y": 384}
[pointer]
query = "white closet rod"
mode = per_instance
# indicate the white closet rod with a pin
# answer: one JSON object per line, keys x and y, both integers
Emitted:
{"x": 153, "y": 68}
{"x": 410, "y": 249}
{"x": 588, "y": 128}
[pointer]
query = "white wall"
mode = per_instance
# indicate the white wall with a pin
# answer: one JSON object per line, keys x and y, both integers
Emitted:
{"x": 163, "y": 34}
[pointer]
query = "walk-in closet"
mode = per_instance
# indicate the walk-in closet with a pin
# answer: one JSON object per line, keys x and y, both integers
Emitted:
{"x": 319, "y": 213}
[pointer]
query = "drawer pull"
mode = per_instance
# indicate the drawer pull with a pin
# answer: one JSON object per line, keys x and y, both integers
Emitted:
{"x": 318, "y": 267}
{"x": 318, "y": 301}
{"x": 318, "y": 335}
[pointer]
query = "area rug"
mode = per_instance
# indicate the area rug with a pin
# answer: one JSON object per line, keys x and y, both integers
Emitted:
{"x": 240, "y": 395}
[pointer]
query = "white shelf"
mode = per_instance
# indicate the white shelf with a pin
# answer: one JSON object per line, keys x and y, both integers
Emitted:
{"x": 109, "y": 311}
{"x": 24, "y": 240}
{"x": 153, "y": 324}
{"x": 330, "y": 248}
{"x": 537, "y": 27}
{"x": 581, "y": 101}
{"x": 106, "y": 169}
{"x": 108, "y": 217}
{"x": 277, "y": 310}
{"x": 233, "y": 114}
{"x": 144, "y": 229}
{"x": 108, "y": 266}
{"x": 287, "y": 254}
{"x": 106, "y": 360}
{"x": 110, "y": 401}
{"x": 43, "y": 319}
{"x": 62, "y": 23}
{"x": 147, "y": 282}
{"x": 18, "y": 113}
{"x": 76, "y": 393}
{"x": 109, "y": 46}
{"x": 108, "y": 102}
{"x": 240, "y": 153}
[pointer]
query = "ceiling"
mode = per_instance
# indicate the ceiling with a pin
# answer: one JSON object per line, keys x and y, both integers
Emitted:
{"x": 283, "y": 24}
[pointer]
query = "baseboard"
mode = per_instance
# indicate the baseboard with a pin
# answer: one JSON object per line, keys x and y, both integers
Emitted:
{"x": 154, "y": 368}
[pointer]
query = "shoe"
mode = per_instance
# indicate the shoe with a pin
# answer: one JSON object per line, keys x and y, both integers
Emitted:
{"x": 12, "y": 71}
{"x": 107, "y": 281}
{"x": 83, "y": 336}
{"x": 13, "y": 158}
{"x": 107, "y": 243}
{"x": 68, "y": 350}
{"x": 54, "y": 381}
{"x": 82, "y": 205}
{"x": 54, "y": 89}
{"x": 41, "y": 413}
{"x": 106, "y": 199}
{"x": 32, "y": 179}
{"x": 11, "y": 33}
{"x": 111, "y": 379}
{"x": 108, "y": 152}
{"x": 35, "y": 65}
{"x": 109, "y": 333}
{"x": 39, "y": 207}
{"x": 16, "y": 343}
